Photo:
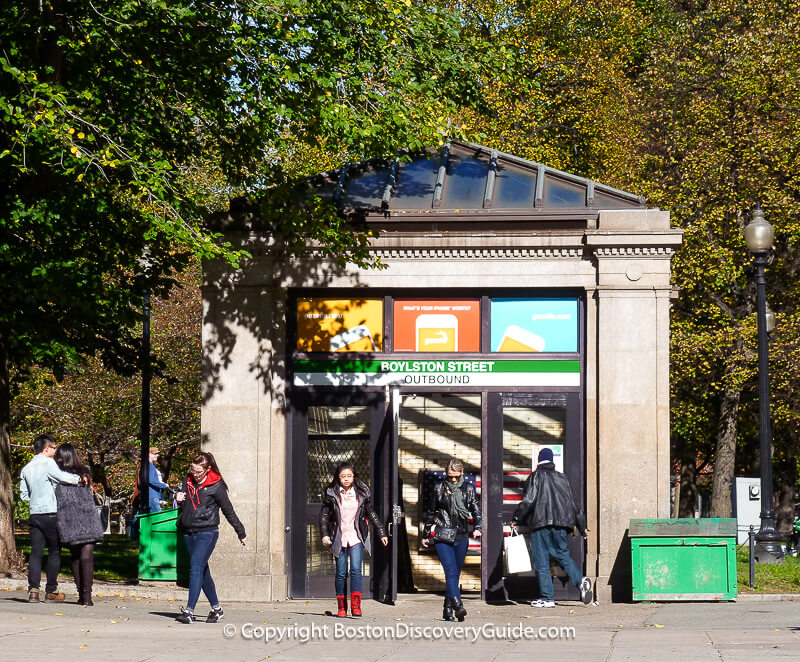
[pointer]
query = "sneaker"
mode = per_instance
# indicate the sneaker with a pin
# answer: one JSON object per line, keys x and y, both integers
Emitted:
{"x": 586, "y": 590}
{"x": 33, "y": 595}
{"x": 215, "y": 615}
{"x": 543, "y": 604}
{"x": 187, "y": 616}
{"x": 54, "y": 597}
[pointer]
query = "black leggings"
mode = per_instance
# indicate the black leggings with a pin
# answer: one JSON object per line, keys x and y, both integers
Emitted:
{"x": 83, "y": 567}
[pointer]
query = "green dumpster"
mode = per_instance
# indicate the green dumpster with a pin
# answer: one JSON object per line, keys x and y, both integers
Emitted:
{"x": 162, "y": 553}
{"x": 683, "y": 559}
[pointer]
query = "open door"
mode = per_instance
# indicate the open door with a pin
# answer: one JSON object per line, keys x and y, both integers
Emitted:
{"x": 520, "y": 424}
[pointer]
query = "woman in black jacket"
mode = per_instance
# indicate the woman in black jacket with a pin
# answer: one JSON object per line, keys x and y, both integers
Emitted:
{"x": 343, "y": 526}
{"x": 202, "y": 495}
{"x": 454, "y": 503}
{"x": 79, "y": 525}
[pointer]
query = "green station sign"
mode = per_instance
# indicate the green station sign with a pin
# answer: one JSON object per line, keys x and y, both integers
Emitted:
{"x": 450, "y": 372}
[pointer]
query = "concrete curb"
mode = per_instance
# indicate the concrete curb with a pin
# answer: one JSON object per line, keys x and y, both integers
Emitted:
{"x": 172, "y": 592}
{"x": 102, "y": 589}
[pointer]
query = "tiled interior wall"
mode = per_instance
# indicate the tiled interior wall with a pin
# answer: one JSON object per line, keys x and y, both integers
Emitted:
{"x": 432, "y": 430}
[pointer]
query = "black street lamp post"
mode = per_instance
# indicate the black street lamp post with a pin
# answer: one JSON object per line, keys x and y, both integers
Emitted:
{"x": 758, "y": 236}
{"x": 144, "y": 430}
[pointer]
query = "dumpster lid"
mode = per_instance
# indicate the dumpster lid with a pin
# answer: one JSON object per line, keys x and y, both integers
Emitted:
{"x": 683, "y": 526}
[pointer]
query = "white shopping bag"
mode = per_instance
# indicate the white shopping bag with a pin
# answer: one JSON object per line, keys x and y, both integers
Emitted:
{"x": 516, "y": 554}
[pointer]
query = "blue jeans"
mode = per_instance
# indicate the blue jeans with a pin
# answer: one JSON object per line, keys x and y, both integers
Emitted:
{"x": 452, "y": 557}
{"x": 356, "y": 556}
{"x": 200, "y": 545}
{"x": 547, "y": 542}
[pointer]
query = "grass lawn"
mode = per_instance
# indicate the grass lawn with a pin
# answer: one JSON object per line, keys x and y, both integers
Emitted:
{"x": 116, "y": 559}
{"x": 769, "y": 578}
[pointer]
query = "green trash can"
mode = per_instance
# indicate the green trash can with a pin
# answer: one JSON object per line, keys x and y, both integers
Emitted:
{"x": 683, "y": 559}
{"x": 162, "y": 553}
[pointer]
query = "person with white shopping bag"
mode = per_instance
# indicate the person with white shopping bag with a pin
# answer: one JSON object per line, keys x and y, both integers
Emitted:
{"x": 549, "y": 510}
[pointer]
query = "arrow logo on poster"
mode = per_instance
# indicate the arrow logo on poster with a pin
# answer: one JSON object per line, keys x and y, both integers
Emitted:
{"x": 440, "y": 340}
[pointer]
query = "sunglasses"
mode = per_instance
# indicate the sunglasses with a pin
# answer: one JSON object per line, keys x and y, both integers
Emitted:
{"x": 453, "y": 478}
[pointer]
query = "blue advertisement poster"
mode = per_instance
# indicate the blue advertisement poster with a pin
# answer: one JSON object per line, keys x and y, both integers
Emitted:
{"x": 534, "y": 325}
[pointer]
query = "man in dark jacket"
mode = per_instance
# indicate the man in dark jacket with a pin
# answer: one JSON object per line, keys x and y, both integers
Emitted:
{"x": 550, "y": 511}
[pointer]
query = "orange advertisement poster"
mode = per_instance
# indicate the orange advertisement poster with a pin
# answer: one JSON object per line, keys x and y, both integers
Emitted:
{"x": 437, "y": 325}
{"x": 340, "y": 325}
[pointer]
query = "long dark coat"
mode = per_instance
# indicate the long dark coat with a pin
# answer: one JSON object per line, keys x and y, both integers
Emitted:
{"x": 77, "y": 516}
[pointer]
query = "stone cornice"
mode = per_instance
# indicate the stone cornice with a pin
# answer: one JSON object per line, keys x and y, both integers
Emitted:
{"x": 450, "y": 246}
{"x": 634, "y": 251}
{"x": 485, "y": 253}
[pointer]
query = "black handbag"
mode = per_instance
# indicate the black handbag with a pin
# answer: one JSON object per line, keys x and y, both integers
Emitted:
{"x": 444, "y": 534}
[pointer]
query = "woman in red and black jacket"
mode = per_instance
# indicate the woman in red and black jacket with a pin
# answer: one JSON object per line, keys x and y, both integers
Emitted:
{"x": 202, "y": 495}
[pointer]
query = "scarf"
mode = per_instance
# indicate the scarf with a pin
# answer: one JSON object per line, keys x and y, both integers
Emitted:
{"x": 459, "y": 509}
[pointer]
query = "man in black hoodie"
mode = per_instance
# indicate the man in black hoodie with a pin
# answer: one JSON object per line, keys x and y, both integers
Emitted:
{"x": 550, "y": 511}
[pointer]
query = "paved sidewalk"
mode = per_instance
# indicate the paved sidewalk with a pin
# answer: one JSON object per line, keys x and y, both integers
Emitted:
{"x": 143, "y": 628}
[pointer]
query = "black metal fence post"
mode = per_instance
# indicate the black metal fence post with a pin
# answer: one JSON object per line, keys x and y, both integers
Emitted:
{"x": 752, "y": 536}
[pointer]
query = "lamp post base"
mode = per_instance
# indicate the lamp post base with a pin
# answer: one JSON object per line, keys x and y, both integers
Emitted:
{"x": 768, "y": 551}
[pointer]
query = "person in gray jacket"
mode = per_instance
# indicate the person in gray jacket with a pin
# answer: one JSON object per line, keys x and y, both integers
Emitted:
{"x": 36, "y": 486}
{"x": 79, "y": 524}
{"x": 549, "y": 509}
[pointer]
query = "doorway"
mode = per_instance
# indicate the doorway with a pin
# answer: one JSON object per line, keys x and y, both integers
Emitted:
{"x": 432, "y": 428}
{"x": 326, "y": 431}
{"x": 400, "y": 444}
{"x": 519, "y": 426}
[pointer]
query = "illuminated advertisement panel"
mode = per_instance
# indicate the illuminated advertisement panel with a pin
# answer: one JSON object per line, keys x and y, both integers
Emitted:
{"x": 437, "y": 325}
{"x": 534, "y": 325}
{"x": 340, "y": 325}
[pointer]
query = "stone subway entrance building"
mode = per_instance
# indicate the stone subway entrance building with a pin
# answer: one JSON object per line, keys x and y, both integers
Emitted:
{"x": 519, "y": 307}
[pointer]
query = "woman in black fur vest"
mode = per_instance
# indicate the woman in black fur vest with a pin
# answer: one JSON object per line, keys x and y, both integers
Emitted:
{"x": 79, "y": 525}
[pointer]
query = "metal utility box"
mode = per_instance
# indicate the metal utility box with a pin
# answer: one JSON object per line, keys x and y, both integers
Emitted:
{"x": 747, "y": 505}
{"x": 683, "y": 559}
{"x": 162, "y": 553}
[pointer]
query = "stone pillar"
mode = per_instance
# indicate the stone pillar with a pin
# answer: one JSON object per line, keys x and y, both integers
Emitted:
{"x": 633, "y": 252}
{"x": 243, "y": 425}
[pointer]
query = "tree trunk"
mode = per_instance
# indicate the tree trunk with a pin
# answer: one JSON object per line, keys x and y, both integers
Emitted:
{"x": 8, "y": 548}
{"x": 688, "y": 495}
{"x": 725, "y": 457}
{"x": 784, "y": 508}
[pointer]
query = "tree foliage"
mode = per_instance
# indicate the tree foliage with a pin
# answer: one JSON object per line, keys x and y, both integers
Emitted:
{"x": 111, "y": 111}
{"x": 721, "y": 126}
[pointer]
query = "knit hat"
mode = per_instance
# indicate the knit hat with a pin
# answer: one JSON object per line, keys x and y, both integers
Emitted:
{"x": 545, "y": 455}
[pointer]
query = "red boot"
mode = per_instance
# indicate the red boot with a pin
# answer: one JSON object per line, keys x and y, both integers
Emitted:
{"x": 355, "y": 603}
{"x": 341, "y": 602}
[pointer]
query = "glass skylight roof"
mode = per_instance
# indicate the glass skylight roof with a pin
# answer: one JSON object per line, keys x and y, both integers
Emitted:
{"x": 464, "y": 177}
